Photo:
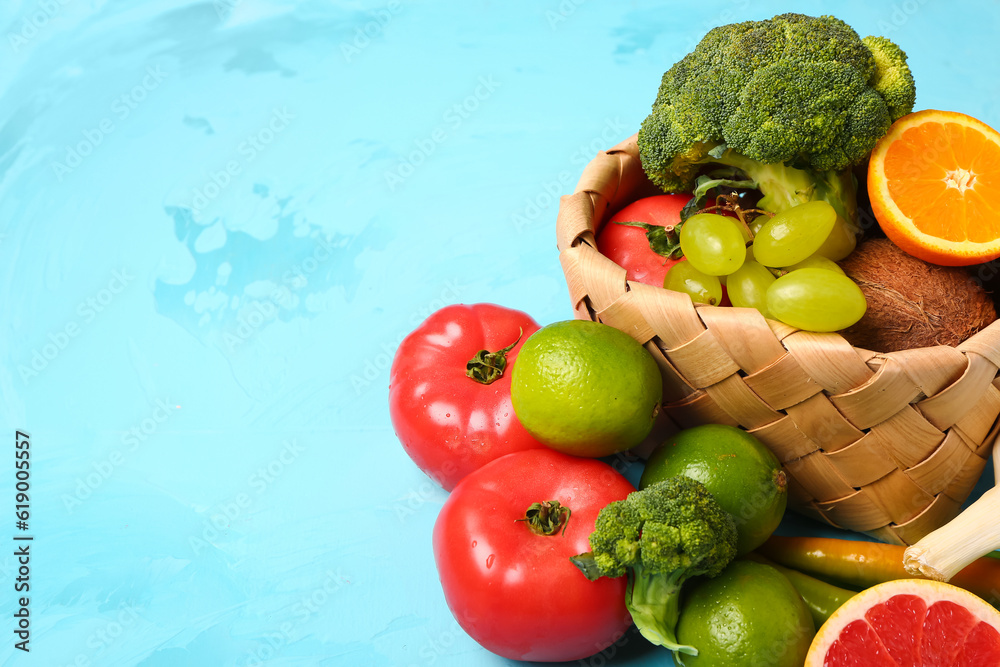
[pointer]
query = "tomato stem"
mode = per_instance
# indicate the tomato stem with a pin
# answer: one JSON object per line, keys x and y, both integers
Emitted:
{"x": 488, "y": 367}
{"x": 547, "y": 517}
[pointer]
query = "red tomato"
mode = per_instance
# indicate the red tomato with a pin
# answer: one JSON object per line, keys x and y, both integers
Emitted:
{"x": 448, "y": 423}
{"x": 513, "y": 590}
{"x": 628, "y": 246}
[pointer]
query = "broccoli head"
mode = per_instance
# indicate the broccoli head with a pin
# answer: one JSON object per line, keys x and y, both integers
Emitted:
{"x": 660, "y": 537}
{"x": 801, "y": 98}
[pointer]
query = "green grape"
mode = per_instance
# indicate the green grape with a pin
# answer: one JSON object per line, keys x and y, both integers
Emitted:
{"x": 701, "y": 287}
{"x": 840, "y": 243}
{"x": 794, "y": 234}
{"x": 815, "y": 262}
{"x": 816, "y": 300}
{"x": 747, "y": 287}
{"x": 713, "y": 244}
{"x": 757, "y": 223}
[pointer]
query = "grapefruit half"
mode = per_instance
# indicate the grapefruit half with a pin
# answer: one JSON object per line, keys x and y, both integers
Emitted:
{"x": 911, "y": 623}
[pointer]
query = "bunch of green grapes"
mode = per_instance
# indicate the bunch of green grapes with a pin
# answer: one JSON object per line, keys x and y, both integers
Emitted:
{"x": 785, "y": 266}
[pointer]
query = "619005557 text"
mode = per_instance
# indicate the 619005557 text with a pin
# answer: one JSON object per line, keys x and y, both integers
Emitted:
{"x": 22, "y": 540}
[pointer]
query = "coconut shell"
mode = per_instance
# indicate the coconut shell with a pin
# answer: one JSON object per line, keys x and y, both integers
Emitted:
{"x": 912, "y": 303}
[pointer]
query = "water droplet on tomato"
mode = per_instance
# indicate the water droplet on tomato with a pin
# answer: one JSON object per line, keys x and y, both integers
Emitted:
{"x": 447, "y": 414}
{"x": 489, "y": 561}
{"x": 473, "y": 544}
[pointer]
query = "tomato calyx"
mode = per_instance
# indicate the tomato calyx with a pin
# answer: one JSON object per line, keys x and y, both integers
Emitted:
{"x": 547, "y": 517}
{"x": 487, "y": 367}
{"x": 664, "y": 241}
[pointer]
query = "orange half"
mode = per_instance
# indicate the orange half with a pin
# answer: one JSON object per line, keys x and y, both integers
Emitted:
{"x": 934, "y": 184}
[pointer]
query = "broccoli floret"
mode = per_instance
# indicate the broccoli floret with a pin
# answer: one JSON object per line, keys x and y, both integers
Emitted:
{"x": 660, "y": 537}
{"x": 793, "y": 102}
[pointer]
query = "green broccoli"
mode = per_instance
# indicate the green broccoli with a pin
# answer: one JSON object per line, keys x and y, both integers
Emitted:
{"x": 791, "y": 103}
{"x": 660, "y": 537}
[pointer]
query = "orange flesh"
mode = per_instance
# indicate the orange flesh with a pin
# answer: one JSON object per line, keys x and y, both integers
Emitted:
{"x": 919, "y": 167}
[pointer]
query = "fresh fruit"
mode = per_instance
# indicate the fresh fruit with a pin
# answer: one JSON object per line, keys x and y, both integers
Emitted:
{"x": 816, "y": 300}
{"x": 435, "y": 405}
{"x": 736, "y": 468}
{"x": 713, "y": 244}
{"x": 702, "y": 288}
{"x": 934, "y": 185}
{"x": 909, "y": 622}
{"x": 586, "y": 388}
{"x": 912, "y": 303}
{"x": 747, "y": 287}
{"x": 815, "y": 262}
{"x": 641, "y": 239}
{"x": 748, "y": 616}
{"x": 503, "y": 542}
{"x": 794, "y": 234}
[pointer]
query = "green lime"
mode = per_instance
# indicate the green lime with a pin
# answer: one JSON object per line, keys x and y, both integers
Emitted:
{"x": 748, "y": 616}
{"x": 743, "y": 475}
{"x": 585, "y": 388}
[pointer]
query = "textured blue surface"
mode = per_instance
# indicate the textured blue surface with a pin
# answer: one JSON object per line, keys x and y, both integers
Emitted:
{"x": 217, "y": 221}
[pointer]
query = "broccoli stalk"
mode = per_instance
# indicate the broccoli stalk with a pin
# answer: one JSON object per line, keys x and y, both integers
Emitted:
{"x": 784, "y": 186}
{"x": 793, "y": 102}
{"x": 660, "y": 537}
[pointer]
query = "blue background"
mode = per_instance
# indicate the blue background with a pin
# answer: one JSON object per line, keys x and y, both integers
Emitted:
{"x": 217, "y": 221}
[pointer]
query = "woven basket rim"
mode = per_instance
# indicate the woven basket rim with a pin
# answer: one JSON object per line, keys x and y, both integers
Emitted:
{"x": 598, "y": 195}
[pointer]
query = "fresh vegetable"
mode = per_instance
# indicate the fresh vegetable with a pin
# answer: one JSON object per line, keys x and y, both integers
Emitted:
{"x": 912, "y": 303}
{"x": 821, "y": 598}
{"x": 791, "y": 104}
{"x": 950, "y": 551}
{"x": 909, "y": 622}
{"x": 642, "y": 239}
{"x": 586, "y": 388}
{"x": 660, "y": 537}
{"x": 748, "y": 616}
{"x": 449, "y": 390}
{"x": 934, "y": 181}
{"x": 502, "y": 544}
{"x": 860, "y": 564}
{"x": 740, "y": 472}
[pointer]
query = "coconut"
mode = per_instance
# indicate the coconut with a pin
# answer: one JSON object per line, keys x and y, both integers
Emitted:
{"x": 912, "y": 303}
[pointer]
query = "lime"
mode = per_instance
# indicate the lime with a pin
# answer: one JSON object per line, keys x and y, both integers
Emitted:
{"x": 736, "y": 468}
{"x": 585, "y": 388}
{"x": 748, "y": 616}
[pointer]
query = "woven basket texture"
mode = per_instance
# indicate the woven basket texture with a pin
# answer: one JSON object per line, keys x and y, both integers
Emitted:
{"x": 886, "y": 444}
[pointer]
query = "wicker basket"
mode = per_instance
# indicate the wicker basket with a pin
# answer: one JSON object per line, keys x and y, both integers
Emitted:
{"x": 886, "y": 444}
